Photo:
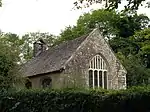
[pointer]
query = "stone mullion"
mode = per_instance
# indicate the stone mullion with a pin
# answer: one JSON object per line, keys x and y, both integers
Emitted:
{"x": 102, "y": 64}
{"x": 95, "y": 61}
{"x": 102, "y": 79}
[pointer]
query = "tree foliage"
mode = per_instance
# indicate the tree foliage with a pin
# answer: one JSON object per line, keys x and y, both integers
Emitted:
{"x": 111, "y": 23}
{"x": 9, "y": 57}
{"x": 142, "y": 38}
{"x": 112, "y": 4}
{"x": 137, "y": 74}
{"x": 134, "y": 99}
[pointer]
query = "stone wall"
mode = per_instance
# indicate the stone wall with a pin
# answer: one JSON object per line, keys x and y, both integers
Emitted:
{"x": 57, "y": 80}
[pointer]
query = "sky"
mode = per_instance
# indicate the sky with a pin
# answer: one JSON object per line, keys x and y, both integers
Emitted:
{"x": 22, "y": 16}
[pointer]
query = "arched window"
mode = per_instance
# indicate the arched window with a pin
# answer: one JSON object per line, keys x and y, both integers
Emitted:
{"x": 46, "y": 82}
{"x": 98, "y": 72}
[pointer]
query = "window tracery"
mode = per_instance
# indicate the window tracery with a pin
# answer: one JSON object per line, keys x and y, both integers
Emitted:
{"x": 98, "y": 72}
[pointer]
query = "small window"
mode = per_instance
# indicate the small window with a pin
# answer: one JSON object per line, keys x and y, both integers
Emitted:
{"x": 47, "y": 83}
{"x": 28, "y": 84}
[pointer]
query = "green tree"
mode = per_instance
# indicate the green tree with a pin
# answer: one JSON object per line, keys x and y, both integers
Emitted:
{"x": 142, "y": 38}
{"x": 112, "y": 4}
{"x": 14, "y": 42}
{"x": 137, "y": 73}
{"x": 111, "y": 23}
{"x": 9, "y": 58}
{"x": 86, "y": 23}
{"x": 124, "y": 45}
{"x": 135, "y": 55}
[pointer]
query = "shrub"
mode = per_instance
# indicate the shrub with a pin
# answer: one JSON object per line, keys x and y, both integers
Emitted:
{"x": 135, "y": 99}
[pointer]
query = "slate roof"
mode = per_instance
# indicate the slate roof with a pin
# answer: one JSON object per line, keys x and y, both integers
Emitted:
{"x": 53, "y": 59}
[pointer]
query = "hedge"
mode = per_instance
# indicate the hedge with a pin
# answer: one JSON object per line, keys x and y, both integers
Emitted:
{"x": 131, "y": 100}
